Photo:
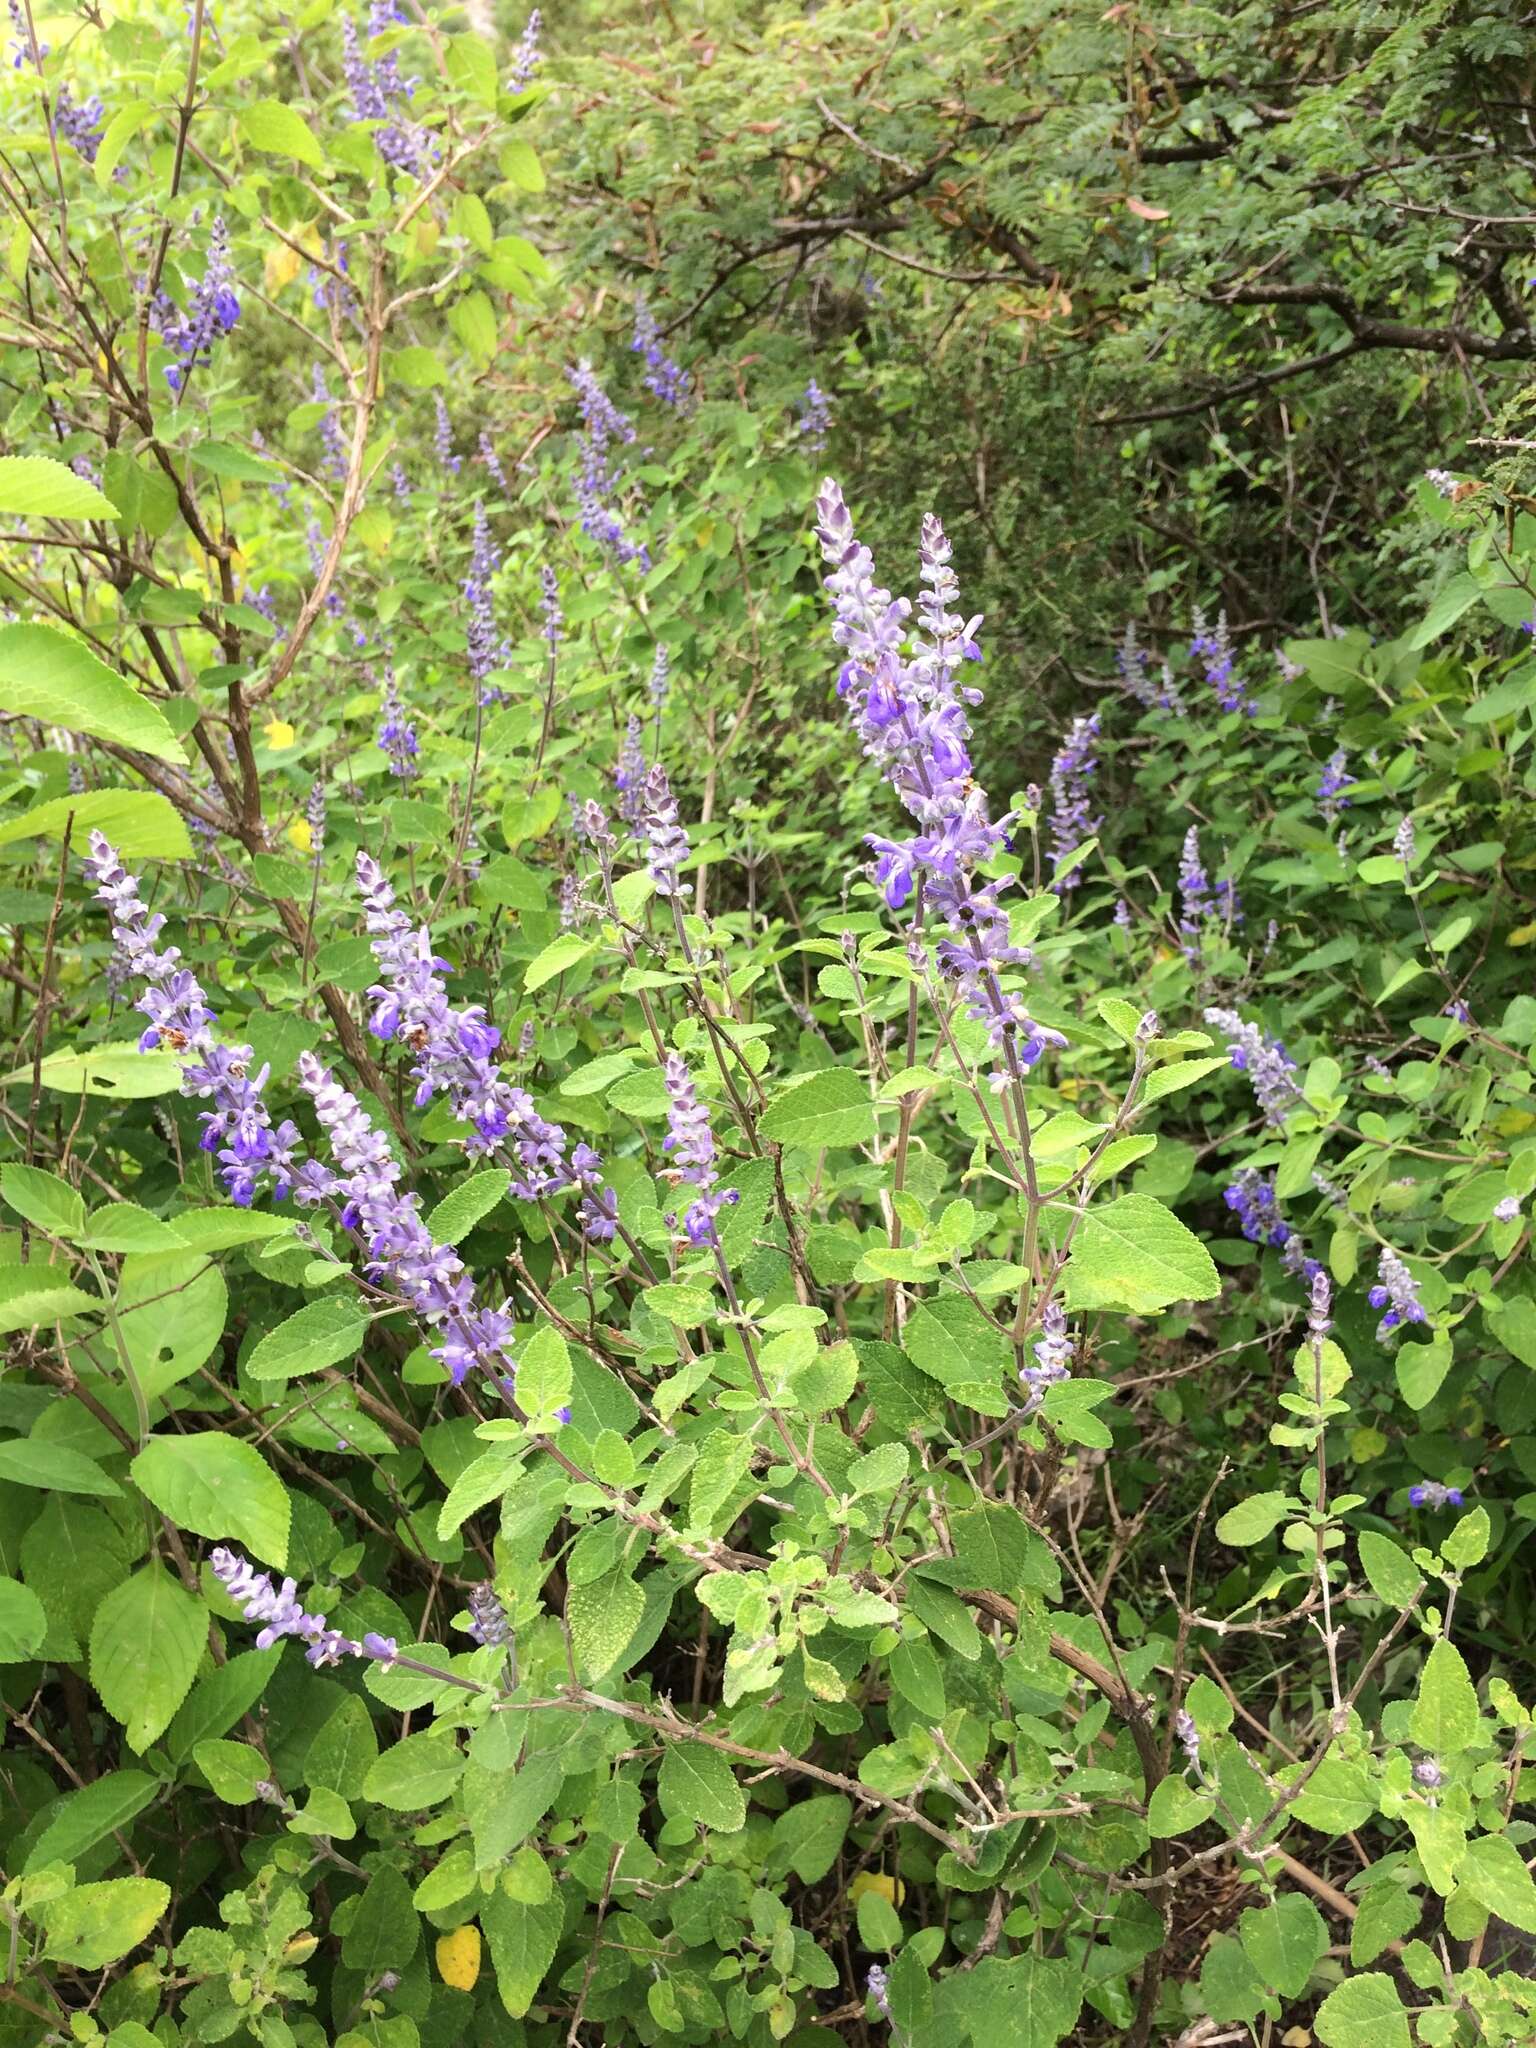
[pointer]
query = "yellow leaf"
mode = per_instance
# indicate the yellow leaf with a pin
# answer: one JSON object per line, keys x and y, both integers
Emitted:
{"x": 458, "y": 1957}
{"x": 279, "y": 733}
{"x": 299, "y": 835}
{"x": 281, "y": 267}
{"x": 1522, "y": 936}
{"x": 891, "y": 1889}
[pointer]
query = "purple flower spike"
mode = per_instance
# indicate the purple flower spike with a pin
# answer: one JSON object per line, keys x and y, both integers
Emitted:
{"x": 1212, "y": 646}
{"x": 1072, "y": 819}
{"x": 397, "y": 736}
{"x": 598, "y": 484}
{"x": 670, "y": 382}
{"x": 691, "y": 1143}
{"x": 277, "y": 1609}
{"x": 1396, "y": 1291}
{"x": 815, "y": 419}
{"x": 488, "y": 650}
{"x": 1429, "y": 1493}
{"x": 629, "y": 776}
{"x": 1054, "y": 1349}
{"x": 212, "y": 313}
{"x": 1263, "y": 1059}
{"x": 666, "y": 839}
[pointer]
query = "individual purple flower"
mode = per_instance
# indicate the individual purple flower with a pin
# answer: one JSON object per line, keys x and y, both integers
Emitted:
{"x": 277, "y": 1608}
{"x": 213, "y": 311}
{"x": 1123, "y": 914}
{"x": 815, "y": 419}
{"x": 604, "y": 429}
{"x": 877, "y": 1990}
{"x": 1506, "y": 1209}
{"x": 1330, "y": 791}
{"x": 402, "y": 1255}
{"x": 1187, "y": 1735}
{"x": 488, "y": 650}
{"x": 597, "y": 1212}
{"x": 690, "y": 1141}
{"x": 629, "y": 776}
{"x": 251, "y": 1150}
{"x": 442, "y": 438}
{"x": 1443, "y": 481}
{"x": 527, "y": 57}
{"x": 397, "y": 736}
{"x": 1427, "y": 1772}
{"x": 331, "y": 438}
{"x": 666, "y": 838}
{"x": 1072, "y": 818}
{"x": 488, "y": 1622}
{"x": 79, "y": 124}
{"x": 1396, "y": 1291}
{"x": 1212, "y": 646}
{"x": 1429, "y": 1493}
{"x": 1263, "y": 1059}
{"x": 1054, "y": 1351}
{"x": 667, "y": 379}
{"x": 1457, "y": 1011}
{"x": 492, "y": 461}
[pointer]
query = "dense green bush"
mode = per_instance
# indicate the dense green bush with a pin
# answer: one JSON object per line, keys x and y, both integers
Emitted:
{"x": 862, "y": 1437}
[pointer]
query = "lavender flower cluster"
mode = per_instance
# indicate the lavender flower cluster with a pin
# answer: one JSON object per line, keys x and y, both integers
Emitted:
{"x": 1072, "y": 817}
{"x": 1054, "y": 1350}
{"x": 666, "y": 378}
{"x": 252, "y": 1151}
{"x": 1263, "y": 1059}
{"x": 815, "y": 420}
{"x": 1203, "y": 903}
{"x": 1212, "y": 647}
{"x": 488, "y": 648}
{"x": 79, "y": 122}
{"x": 604, "y": 429}
{"x": 214, "y": 310}
{"x": 278, "y": 1609}
{"x": 690, "y": 1142}
{"x": 380, "y": 93}
{"x": 909, "y": 708}
{"x": 1251, "y": 1198}
{"x": 1396, "y": 1291}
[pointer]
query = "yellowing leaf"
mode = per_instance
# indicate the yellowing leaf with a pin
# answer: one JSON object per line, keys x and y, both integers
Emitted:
{"x": 300, "y": 836}
{"x": 458, "y": 1957}
{"x": 1522, "y": 935}
{"x": 891, "y": 1889}
{"x": 281, "y": 267}
{"x": 279, "y": 732}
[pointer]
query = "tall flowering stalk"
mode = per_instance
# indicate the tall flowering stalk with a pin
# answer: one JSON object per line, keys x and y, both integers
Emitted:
{"x": 629, "y": 774}
{"x": 252, "y": 1152}
{"x": 903, "y": 693}
{"x": 79, "y": 122}
{"x": 1072, "y": 818}
{"x": 690, "y": 1144}
{"x": 527, "y": 57}
{"x": 279, "y": 1611}
{"x": 214, "y": 310}
{"x": 1202, "y": 902}
{"x": 402, "y": 1256}
{"x": 331, "y": 438}
{"x": 397, "y": 736}
{"x": 1212, "y": 647}
{"x": 666, "y": 378}
{"x": 1263, "y": 1059}
{"x": 666, "y": 836}
{"x": 380, "y": 94}
{"x": 488, "y": 650}
{"x": 1330, "y": 790}
{"x": 604, "y": 429}
{"x": 442, "y": 437}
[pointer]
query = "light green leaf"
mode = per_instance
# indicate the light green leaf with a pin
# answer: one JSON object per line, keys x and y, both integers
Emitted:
{"x": 807, "y": 1837}
{"x": 830, "y": 1108}
{"x": 84, "y": 1818}
{"x": 1441, "y": 1840}
{"x": 522, "y": 1936}
{"x": 1365, "y": 2012}
{"x": 119, "y": 1073}
{"x": 140, "y": 823}
{"x": 483, "y": 1479}
{"x": 384, "y": 1932}
{"x": 457, "y": 1213}
{"x": 696, "y": 1783}
{"x": 271, "y": 126}
{"x": 1285, "y": 1942}
{"x": 36, "y": 1294}
{"x": 1467, "y": 1544}
{"x": 543, "y": 1373}
{"x": 1179, "y": 1074}
{"x": 602, "y": 1617}
{"x": 217, "y": 1486}
{"x": 36, "y": 487}
{"x": 48, "y": 675}
{"x": 321, "y": 1333}
{"x": 125, "y": 1227}
{"x": 1133, "y": 1253}
{"x": 1393, "y": 1576}
{"x": 44, "y": 1199}
{"x": 1494, "y": 1873}
{"x": 53, "y": 1468}
{"x": 1175, "y": 1807}
{"x": 1251, "y": 1520}
{"x": 1445, "y": 1717}
{"x": 23, "y": 1623}
{"x": 421, "y": 1771}
{"x": 233, "y": 1769}
{"x": 147, "y": 1640}
{"x": 95, "y": 1924}
{"x": 505, "y": 1806}
{"x": 172, "y": 1308}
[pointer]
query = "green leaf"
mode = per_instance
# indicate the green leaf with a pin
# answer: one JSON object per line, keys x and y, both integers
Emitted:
{"x": 36, "y": 487}
{"x": 343, "y": 1752}
{"x": 321, "y": 1333}
{"x": 1441, "y": 1840}
{"x": 48, "y": 675}
{"x": 807, "y": 1838}
{"x": 42, "y": 1198}
{"x": 119, "y": 1073}
{"x": 147, "y": 1640}
{"x": 879, "y": 1922}
{"x": 23, "y": 1623}
{"x": 1175, "y": 1807}
{"x": 421, "y": 1771}
{"x": 1133, "y": 1253}
{"x": 1180, "y": 1074}
{"x": 384, "y": 1932}
{"x": 1251, "y": 1520}
{"x": 995, "y": 1548}
{"x": 1230, "y": 1987}
{"x": 125, "y": 1227}
{"x": 696, "y": 1783}
{"x": 1445, "y": 1717}
{"x": 217, "y": 1486}
{"x": 84, "y": 1818}
{"x": 1467, "y": 1544}
{"x": 602, "y": 1616}
{"x": 505, "y": 1806}
{"x": 233, "y": 1769}
{"x": 543, "y": 1374}
{"x": 471, "y": 66}
{"x": 522, "y": 1936}
{"x": 1338, "y": 1797}
{"x": 457, "y": 1213}
{"x": 269, "y": 125}
{"x": 1494, "y": 1873}
{"x": 1365, "y": 2012}
{"x": 219, "y": 1699}
{"x": 1393, "y": 1576}
{"x": 830, "y": 1108}
{"x": 140, "y": 823}
{"x": 917, "y": 1675}
{"x": 1387, "y": 1913}
{"x": 238, "y": 464}
{"x": 484, "y": 1479}
{"x": 416, "y": 366}
{"x": 54, "y": 1468}
{"x": 95, "y": 1924}
{"x": 120, "y": 131}
{"x": 35, "y": 1293}
{"x": 1285, "y": 1942}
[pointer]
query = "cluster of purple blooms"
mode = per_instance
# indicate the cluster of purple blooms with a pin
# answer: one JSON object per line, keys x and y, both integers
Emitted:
{"x": 277, "y": 1608}
{"x": 1396, "y": 1291}
{"x": 1212, "y": 646}
{"x": 1203, "y": 902}
{"x": 909, "y": 709}
{"x": 1335, "y": 780}
{"x": 211, "y": 315}
{"x": 380, "y": 93}
{"x": 488, "y": 1622}
{"x": 250, "y": 1149}
{"x": 1263, "y": 1059}
{"x": 629, "y": 774}
{"x": 442, "y": 437}
{"x": 1054, "y": 1350}
{"x": 604, "y": 429}
{"x": 815, "y": 421}
{"x": 1133, "y": 665}
{"x": 1187, "y": 1735}
{"x": 691, "y": 1144}
{"x": 1072, "y": 818}
{"x": 79, "y": 123}
{"x": 332, "y": 439}
{"x": 527, "y": 56}
{"x": 666, "y": 836}
{"x": 1251, "y": 1198}
{"x": 397, "y": 736}
{"x": 666, "y": 378}
{"x": 492, "y": 462}
{"x": 488, "y": 649}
